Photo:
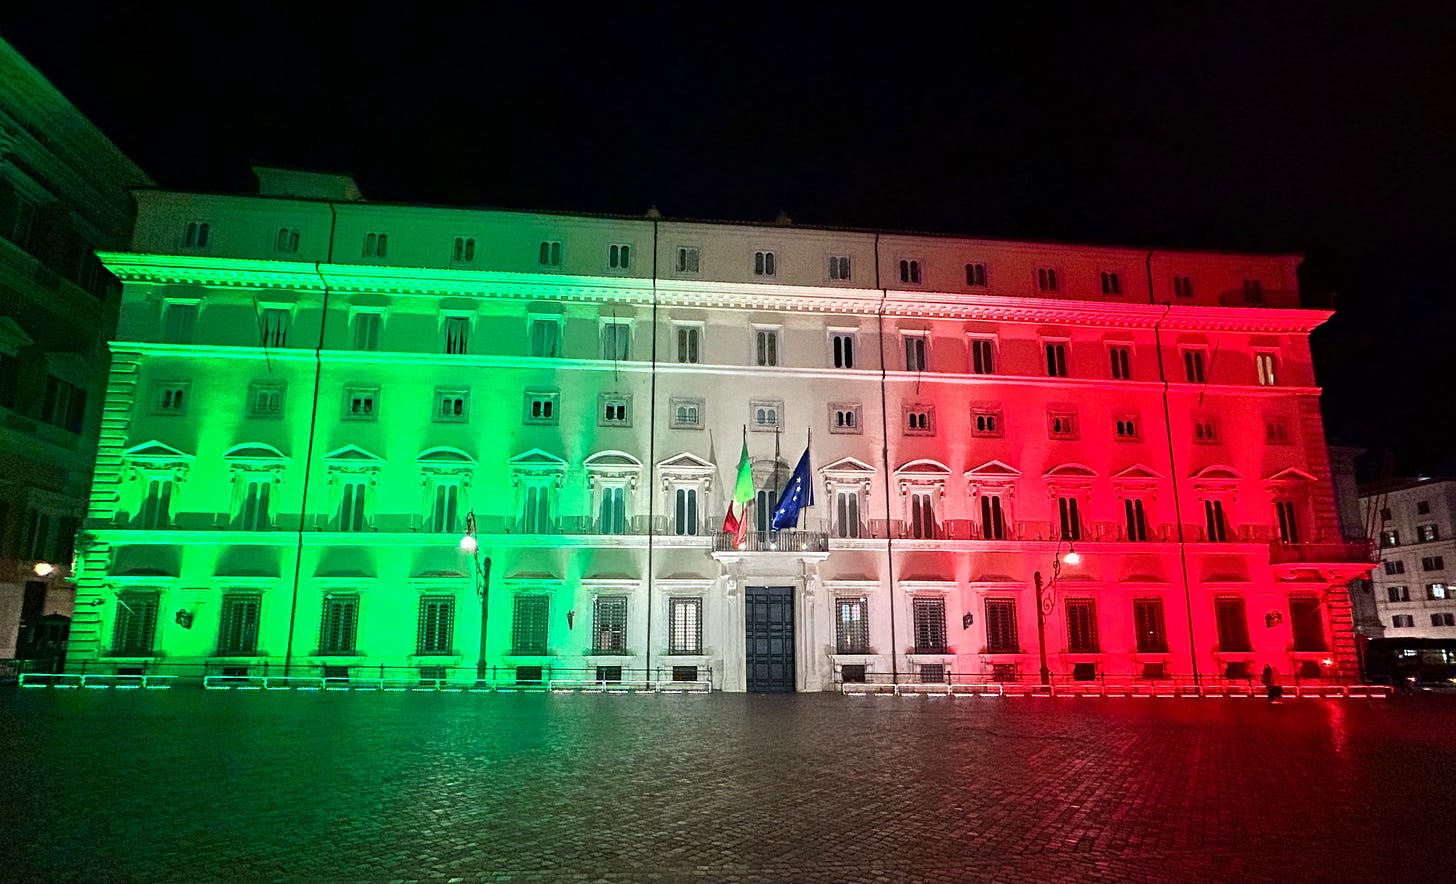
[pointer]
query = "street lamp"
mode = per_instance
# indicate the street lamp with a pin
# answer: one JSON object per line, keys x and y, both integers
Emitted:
{"x": 1046, "y": 599}
{"x": 470, "y": 543}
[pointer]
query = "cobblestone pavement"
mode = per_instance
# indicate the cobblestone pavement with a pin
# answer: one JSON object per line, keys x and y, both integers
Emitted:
{"x": 185, "y": 785}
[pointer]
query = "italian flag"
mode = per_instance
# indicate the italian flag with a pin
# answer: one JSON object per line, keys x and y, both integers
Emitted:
{"x": 742, "y": 494}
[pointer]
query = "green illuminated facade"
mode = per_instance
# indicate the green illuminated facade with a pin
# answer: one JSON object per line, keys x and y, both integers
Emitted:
{"x": 309, "y": 394}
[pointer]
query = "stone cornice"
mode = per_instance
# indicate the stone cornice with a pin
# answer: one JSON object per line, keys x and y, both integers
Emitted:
{"x": 424, "y": 281}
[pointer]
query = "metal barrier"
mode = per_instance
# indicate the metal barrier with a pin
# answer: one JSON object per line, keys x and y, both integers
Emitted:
{"x": 1107, "y": 690}
{"x": 95, "y": 681}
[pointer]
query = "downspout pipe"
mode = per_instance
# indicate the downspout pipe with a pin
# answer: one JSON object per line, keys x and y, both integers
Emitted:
{"x": 885, "y": 461}
{"x": 651, "y": 454}
{"x": 318, "y": 367}
{"x": 1173, "y": 470}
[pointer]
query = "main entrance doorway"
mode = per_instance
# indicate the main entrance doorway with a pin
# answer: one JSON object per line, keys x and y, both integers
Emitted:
{"x": 768, "y": 633}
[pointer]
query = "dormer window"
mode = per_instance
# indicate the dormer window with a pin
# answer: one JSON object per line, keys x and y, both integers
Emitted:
{"x": 196, "y": 234}
{"x": 549, "y": 253}
{"x": 1111, "y": 285}
{"x": 463, "y": 250}
{"x": 286, "y": 240}
{"x": 765, "y": 263}
{"x": 910, "y": 271}
{"x": 376, "y": 245}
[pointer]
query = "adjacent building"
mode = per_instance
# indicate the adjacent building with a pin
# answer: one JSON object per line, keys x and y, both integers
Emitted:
{"x": 314, "y": 397}
{"x": 1413, "y": 627}
{"x": 63, "y": 195}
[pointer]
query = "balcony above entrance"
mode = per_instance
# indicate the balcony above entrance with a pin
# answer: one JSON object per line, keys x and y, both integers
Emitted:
{"x": 801, "y": 544}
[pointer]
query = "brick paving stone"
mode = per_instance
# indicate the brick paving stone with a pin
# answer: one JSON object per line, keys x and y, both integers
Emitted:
{"x": 187, "y": 785}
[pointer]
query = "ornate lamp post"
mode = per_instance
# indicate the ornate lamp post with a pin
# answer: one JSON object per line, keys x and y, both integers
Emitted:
{"x": 469, "y": 543}
{"x": 1046, "y": 600}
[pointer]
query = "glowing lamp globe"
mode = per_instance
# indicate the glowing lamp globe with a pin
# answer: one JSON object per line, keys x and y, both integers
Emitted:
{"x": 468, "y": 543}
{"x": 1072, "y": 557}
{"x": 44, "y": 569}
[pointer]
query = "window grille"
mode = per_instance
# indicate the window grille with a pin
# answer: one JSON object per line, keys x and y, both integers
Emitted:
{"x": 238, "y": 632}
{"x": 1152, "y": 635}
{"x": 1081, "y": 626}
{"x": 135, "y": 625}
{"x": 340, "y": 624}
{"x": 609, "y": 625}
{"x": 851, "y": 626}
{"x": 1233, "y": 625}
{"x": 929, "y": 614}
{"x": 529, "y": 625}
{"x": 685, "y": 626}
{"x": 436, "y": 633}
{"x": 1001, "y": 637}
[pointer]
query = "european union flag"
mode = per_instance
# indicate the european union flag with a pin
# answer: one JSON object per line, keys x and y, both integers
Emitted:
{"x": 798, "y": 494}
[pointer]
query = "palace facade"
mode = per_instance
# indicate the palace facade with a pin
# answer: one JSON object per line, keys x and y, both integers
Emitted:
{"x": 314, "y": 398}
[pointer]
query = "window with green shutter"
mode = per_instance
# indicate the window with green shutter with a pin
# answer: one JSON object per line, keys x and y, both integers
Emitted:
{"x": 528, "y": 625}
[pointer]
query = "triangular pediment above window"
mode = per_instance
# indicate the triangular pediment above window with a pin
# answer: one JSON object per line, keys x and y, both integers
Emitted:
{"x": 254, "y": 451}
{"x": 847, "y": 466}
{"x": 1289, "y": 475}
{"x": 1137, "y": 473}
{"x": 991, "y": 470}
{"x": 352, "y": 455}
{"x": 685, "y": 463}
{"x": 536, "y": 459}
{"x": 154, "y": 451}
{"x": 446, "y": 457}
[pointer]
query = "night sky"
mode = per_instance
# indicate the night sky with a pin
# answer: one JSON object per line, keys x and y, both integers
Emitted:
{"x": 1291, "y": 127}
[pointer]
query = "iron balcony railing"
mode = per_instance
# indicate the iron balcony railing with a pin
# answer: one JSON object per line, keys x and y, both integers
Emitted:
{"x": 772, "y": 541}
{"x": 1322, "y": 552}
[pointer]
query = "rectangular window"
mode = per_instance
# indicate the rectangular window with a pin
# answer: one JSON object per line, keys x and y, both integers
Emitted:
{"x": 462, "y": 250}
{"x": 366, "y": 330}
{"x": 254, "y": 514}
{"x": 170, "y": 399}
{"x": 931, "y": 673}
{"x": 614, "y": 410}
{"x": 1433, "y": 563}
{"x": 686, "y": 414}
{"x": 544, "y": 334}
{"x": 684, "y": 626}
{"x": 685, "y": 512}
{"x": 915, "y": 352}
{"x": 1403, "y": 620}
{"x": 351, "y": 507}
{"x": 156, "y": 511}
{"x": 541, "y": 408}
{"x": 1152, "y": 634}
{"x": 910, "y": 271}
{"x": 616, "y": 340}
{"x": 1426, "y": 533}
{"x": 361, "y": 403}
{"x": 1135, "y": 519}
{"x": 179, "y": 320}
{"x": 1111, "y": 285}
{"x": 456, "y": 335}
{"x": 1389, "y": 538}
{"x": 619, "y": 256}
{"x": 1276, "y": 432}
{"x": 1182, "y": 286}
{"x": 839, "y": 268}
{"x": 1056, "y": 359}
{"x": 983, "y": 360}
{"x": 452, "y": 406}
{"x": 976, "y": 276}
{"x": 1395, "y": 567}
{"x": 851, "y": 626}
{"x": 1264, "y": 364}
{"x": 1062, "y": 425}
{"x": 846, "y": 513}
{"x": 1082, "y": 626}
{"x": 196, "y": 234}
{"x": 919, "y": 420}
{"x": 612, "y": 510}
{"x": 766, "y": 346}
{"x": 687, "y": 259}
{"x": 689, "y": 343}
{"x": 549, "y": 254}
{"x": 1306, "y": 624}
{"x": 536, "y": 511}
{"x": 1233, "y": 625}
{"x": 1397, "y": 593}
{"x": 764, "y": 264}
{"x": 1205, "y": 430}
{"x": 1423, "y": 507}
{"x": 445, "y": 509}
{"x": 135, "y": 625}
{"x": 436, "y": 634}
{"x": 1001, "y": 637}
{"x": 923, "y": 524}
{"x": 530, "y": 625}
{"x": 238, "y": 632}
{"x": 993, "y": 518}
{"x": 929, "y": 614}
{"x": 36, "y": 534}
{"x": 265, "y": 400}
{"x": 609, "y": 625}
{"x": 1046, "y": 279}
{"x": 1126, "y": 428}
{"x": 339, "y": 625}
{"x": 1193, "y": 366}
{"x": 1121, "y": 359}
{"x": 1253, "y": 291}
{"x": 376, "y": 245}
{"x": 64, "y": 405}
{"x": 1215, "y": 526}
{"x": 273, "y": 326}
{"x": 765, "y": 415}
{"x": 842, "y": 346}
{"x": 765, "y": 501}
{"x": 1288, "y": 525}
{"x": 286, "y": 240}
{"x": 1071, "y": 519}
{"x": 845, "y": 417}
{"x": 987, "y": 422}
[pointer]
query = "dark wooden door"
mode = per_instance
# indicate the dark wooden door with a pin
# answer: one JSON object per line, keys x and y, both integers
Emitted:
{"x": 768, "y": 623}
